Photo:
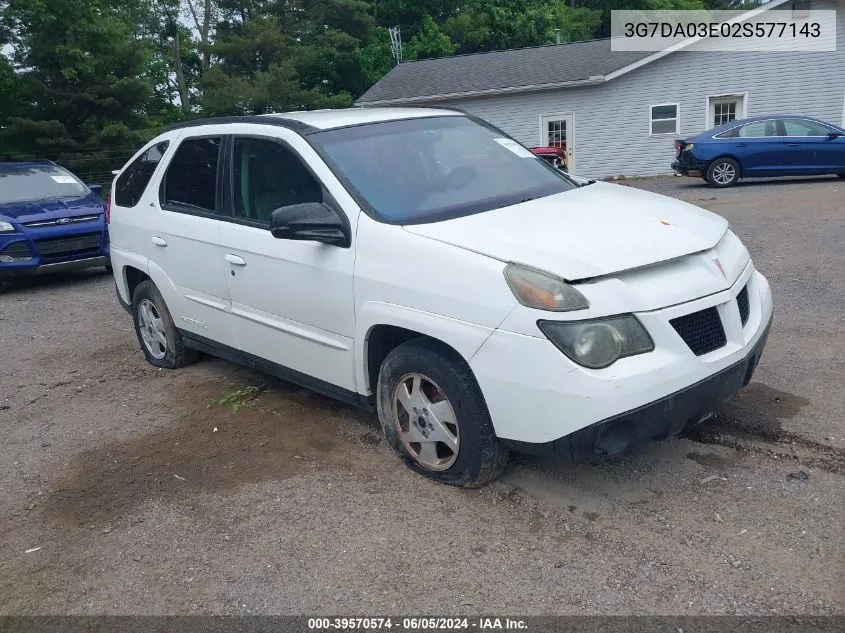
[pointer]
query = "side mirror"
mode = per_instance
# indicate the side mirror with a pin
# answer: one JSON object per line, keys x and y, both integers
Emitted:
{"x": 833, "y": 135}
{"x": 97, "y": 190}
{"x": 311, "y": 222}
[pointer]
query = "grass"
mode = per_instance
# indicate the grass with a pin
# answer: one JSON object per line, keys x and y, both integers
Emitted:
{"x": 243, "y": 398}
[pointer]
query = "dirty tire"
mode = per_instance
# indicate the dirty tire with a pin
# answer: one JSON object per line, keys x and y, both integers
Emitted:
{"x": 481, "y": 456}
{"x": 176, "y": 354}
{"x": 723, "y": 172}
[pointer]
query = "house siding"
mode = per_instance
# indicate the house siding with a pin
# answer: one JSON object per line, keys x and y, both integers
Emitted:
{"x": 611, "y": 121}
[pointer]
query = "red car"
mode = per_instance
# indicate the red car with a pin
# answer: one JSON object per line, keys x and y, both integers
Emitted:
{"x": 556, "y": 156}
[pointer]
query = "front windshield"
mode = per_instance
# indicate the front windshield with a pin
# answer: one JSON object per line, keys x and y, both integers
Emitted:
{"x": 24, "y": 183}
{"x": 434, "y": 168}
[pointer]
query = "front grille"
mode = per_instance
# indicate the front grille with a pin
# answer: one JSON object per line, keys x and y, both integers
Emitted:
{"x": 61, "y": 221}
{"x": 702, "y": 331}
{"x": 17, "y": 249}
{"x": 742, "y": 304}
{"x": 62, "y": 246}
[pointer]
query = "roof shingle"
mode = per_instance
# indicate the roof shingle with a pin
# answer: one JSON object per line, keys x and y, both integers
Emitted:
{"x": 499, "y": 70}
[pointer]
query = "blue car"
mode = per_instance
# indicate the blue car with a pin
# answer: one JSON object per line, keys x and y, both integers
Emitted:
{"x": 49, "y": 221}
{"x": 762, "y": 147}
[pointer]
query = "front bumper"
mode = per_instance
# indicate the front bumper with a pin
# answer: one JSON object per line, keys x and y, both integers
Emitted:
{"x": 537, "y": 397}
{"x": 93, "y": 252}
{"x": 657, "y": 420}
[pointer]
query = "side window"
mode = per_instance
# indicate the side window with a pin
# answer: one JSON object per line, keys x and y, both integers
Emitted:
{"x": 190, "y": 183}
{"x": 131, "y": 183}
{"x": 759, "y": 129}
{"x": 802, "y": 127}
{"x": 268, "y": 175}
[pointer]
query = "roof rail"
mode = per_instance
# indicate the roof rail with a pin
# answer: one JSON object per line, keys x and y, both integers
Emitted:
{"x": 262, "y": 119}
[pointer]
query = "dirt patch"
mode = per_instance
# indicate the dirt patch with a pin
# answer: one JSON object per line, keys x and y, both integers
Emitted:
{"x": 206, "y": 449}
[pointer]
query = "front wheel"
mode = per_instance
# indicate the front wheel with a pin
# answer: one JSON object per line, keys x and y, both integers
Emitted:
{"x": 433, "y": 413}
{"x": 723, "y": 172}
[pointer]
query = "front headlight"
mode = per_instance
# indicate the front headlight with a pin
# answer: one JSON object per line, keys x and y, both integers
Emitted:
{"x": 537, "y": 289}
{"x": 598, "y": 343}
{"x": 6, "y": 227}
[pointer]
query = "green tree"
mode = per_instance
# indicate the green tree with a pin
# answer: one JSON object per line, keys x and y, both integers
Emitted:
{"x": 80, "y": 81}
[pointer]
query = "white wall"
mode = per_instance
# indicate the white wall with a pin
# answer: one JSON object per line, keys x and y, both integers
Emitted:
{"x": 611, "y": 126}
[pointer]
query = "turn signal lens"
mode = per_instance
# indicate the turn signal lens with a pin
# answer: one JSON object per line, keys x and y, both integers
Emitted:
{"x": 540, "y": 290}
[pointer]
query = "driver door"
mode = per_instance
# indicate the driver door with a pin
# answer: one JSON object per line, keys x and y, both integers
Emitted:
{"x": 292, "y": 301}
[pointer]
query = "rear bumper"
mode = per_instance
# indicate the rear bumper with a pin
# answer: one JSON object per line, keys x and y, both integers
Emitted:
{"x": 689, "y": 166}
{"x": 656, "y": 420}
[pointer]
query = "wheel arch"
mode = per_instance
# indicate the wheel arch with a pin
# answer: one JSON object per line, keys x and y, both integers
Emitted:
{"x": 733, "y": 157}
{"x": 382, "y": 327}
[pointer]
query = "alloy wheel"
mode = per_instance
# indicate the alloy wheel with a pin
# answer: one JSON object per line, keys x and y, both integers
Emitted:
{"x": 425, "y": 421}
{"x": 724, "y": 173}
{"x": 152, "y": 329}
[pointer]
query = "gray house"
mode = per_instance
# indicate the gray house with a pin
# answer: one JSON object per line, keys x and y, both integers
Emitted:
{"x": 618, "y": 113}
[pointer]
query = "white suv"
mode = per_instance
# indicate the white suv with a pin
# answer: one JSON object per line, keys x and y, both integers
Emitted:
{"x": 420, "y": 263}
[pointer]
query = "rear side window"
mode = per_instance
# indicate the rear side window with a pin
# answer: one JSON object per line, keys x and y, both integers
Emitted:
{"x": 131, "y": 183}
{"x": 190, "y": 184}
{"x": 760, "y": 129}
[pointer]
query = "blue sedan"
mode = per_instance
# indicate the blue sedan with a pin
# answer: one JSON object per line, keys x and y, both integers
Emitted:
{"x": 49, "y": 221}
{"x": 762, "y": 147}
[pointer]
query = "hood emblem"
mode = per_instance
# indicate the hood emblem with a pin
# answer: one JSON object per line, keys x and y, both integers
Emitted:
{"x": 720, "y": 267}
{"x": 665, "y": 223}
{"x": 63, "y": 221}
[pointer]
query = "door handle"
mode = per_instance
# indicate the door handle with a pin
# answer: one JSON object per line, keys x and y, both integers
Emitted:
{"x": 159, "y": 241}
{"x": 235, "y": 260}
{"x": 793, "y": 144}
{"x": 742, "y": 144}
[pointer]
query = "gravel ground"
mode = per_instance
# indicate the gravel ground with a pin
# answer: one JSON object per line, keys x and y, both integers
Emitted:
{"x": 143, "y": 497}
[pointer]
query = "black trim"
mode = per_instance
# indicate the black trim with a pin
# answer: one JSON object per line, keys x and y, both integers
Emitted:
{"x": 246, "y": 359}
{"x": 656, "y": 420}
{"x": 120, "y": 300}
{"x": 291, "y": 124}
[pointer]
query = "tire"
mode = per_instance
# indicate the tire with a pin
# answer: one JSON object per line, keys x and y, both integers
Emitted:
{"x": 109, "y": 269}
{"x": 148, "y": 306}
{"x": 723, "y": 172}
{"x": 480, "y": 457}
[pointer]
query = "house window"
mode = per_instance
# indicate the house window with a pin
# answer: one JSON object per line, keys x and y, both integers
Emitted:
{"x": 556, "y": 131}
{"x": 800, "y": 9}
{"x": 724, "y": 113}
{"x": 723, "y": 109}
{"x": 664, "y": 118}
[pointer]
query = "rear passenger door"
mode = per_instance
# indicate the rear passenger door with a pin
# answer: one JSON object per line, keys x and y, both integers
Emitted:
{"x": 292, "y": 301}
{"x": 759, "y": 148}
{"x": 184, "y": 238}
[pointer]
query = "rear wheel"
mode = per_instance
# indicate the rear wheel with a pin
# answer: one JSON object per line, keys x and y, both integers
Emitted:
{"x": 160, "y": 341}
{"x": 433, "y": 413}
{"x": 723, "y": 172}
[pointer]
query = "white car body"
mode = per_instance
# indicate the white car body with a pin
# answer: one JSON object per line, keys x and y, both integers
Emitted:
{"x": 307, "y": 310}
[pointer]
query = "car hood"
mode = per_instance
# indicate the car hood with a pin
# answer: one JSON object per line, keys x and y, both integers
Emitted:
{"x": 37, "y": 210}
{"x": 588, "y": 232}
